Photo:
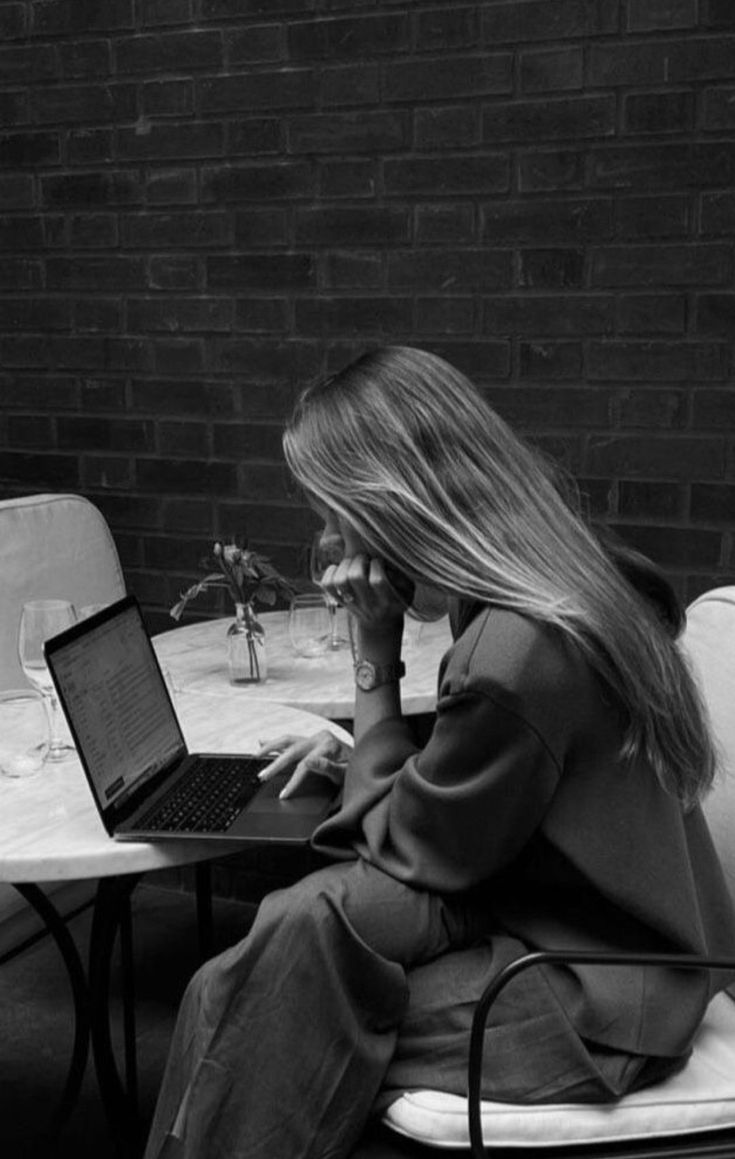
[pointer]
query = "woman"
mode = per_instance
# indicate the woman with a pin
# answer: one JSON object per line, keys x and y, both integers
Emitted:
{"x": 554, "y": 804}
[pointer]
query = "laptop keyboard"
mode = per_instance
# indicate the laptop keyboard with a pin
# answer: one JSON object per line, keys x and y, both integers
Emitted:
{"x": 207, "y": 799}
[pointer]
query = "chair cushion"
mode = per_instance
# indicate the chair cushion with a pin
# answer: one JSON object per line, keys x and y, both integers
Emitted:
{"x": 701, "y": 1097}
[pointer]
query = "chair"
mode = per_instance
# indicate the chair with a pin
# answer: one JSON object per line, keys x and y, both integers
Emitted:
{"x": 51, "y": 547}
{"x": 692, "y": 1113}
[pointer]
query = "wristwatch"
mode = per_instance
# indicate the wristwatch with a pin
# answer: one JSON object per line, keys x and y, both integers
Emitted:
{"x": 369, "y": 675}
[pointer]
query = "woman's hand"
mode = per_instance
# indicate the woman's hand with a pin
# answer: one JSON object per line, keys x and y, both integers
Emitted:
{"x": 360, "y": 583}
{"x": 320, "y": 753}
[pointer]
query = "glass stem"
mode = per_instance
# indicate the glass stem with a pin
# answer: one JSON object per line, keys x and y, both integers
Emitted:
{"x": 56, "y": 746}
{"x": 333, "y": 638}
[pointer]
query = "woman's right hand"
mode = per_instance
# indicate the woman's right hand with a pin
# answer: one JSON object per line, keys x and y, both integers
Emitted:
{"x": 321, "y": 754}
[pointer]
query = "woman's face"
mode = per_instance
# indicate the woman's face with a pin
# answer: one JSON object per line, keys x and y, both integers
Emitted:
{"x": 337, "y": 527}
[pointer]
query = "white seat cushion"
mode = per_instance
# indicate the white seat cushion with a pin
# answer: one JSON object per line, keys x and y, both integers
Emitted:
{"x": 699, "y": 1098}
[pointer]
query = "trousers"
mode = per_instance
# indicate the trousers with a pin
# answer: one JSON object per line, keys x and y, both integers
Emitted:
{"x": 283, "y": 1042}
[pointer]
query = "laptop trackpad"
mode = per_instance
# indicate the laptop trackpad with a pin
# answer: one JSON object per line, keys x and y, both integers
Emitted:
{"x": 305, "y": 804}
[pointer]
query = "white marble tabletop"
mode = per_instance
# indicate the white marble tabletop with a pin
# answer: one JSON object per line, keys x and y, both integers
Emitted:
{"x": 195, "y": 657}
{"x": 50, "y": 829}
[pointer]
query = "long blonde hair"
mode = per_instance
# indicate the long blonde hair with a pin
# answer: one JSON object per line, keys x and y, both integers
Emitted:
{"x": 403, "y": 446}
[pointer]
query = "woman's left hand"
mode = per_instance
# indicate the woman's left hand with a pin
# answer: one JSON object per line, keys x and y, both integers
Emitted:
{"x": 360, "y": 583}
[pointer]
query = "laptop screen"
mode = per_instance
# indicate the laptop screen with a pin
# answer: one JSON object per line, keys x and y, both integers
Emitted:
{"x": 116, "y": 701}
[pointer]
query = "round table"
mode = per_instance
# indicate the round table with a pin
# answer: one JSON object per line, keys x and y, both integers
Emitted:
{"x": 50, "y": 831}
{"x": 195, "y": 658}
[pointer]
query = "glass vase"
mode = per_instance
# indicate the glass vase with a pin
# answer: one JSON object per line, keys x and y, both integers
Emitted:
{"x": 246, "y": 655}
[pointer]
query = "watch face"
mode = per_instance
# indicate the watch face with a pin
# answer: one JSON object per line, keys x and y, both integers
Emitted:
{"x": 365, "y": 675}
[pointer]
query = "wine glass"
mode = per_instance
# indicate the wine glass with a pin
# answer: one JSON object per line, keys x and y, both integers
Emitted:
{"x": 39, "y": 620}
{"x": 327, "y": 549}
{"x": 310, "y": 624}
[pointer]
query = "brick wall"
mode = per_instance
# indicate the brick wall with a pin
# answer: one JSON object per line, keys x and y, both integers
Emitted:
{"x": 206, "y": 202}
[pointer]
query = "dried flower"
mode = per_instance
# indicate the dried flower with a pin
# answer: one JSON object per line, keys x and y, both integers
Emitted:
{"x": 249, "y": 577}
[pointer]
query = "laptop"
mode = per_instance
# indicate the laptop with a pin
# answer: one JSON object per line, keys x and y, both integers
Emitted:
{"x": 146, "y": 784}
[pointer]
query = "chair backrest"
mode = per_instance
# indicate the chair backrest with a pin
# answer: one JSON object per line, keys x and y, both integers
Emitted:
{"x": 709, "y": 643}
{"x": 51, "y": 547}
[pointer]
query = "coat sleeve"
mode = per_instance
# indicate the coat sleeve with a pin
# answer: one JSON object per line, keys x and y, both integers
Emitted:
{"x": 450, "y": 815}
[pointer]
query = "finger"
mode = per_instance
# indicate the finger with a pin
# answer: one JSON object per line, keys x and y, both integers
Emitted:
{"x": 300, "y": 774}
{"x": 285, "y": 761}
{"x": 277, "y": 744}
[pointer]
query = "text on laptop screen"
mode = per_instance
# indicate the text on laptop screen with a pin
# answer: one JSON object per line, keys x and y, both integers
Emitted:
{"x": 117, "y": 703}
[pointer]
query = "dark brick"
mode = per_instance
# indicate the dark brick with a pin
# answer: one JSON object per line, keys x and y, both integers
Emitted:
{"x": 482, "y": 360}
{"x": 648, "y": 500}
{"x": 674, "y": 547}
{"x": 714, "y": 408}
{"x": 21, "y": 233}
{"x": 285, "y": 89}
{"x": 152, "y": 396}
{"x": 171, "y": 187}
{"x": 84, "y": 104}
{"x": 29, "y": 431}
{"x": 19, "y": 149}
{"x": 550, "y": 360}
{"x": 650, "y": 218}
{"x": 133, "y": 355}
{"x": 547, "y": 20}
{"x": 652, "y": 314}
{"x": 267, "y": 400}
{"x": 175, "y": 272}
{"x": 268, "y": 361}
{"x": 453, "y": 223}
{"x": 551, "y": 221}
{"x": 656, "y": 361}
{"x": 718, "y": 14}
{"x": 110, "y": 434}
{"x": 718, "y": 213}
{"x": 284, "y": 180}
{"x": 359, "y": 227}
{"x": 353, "y": 178}
{"x": 348, "y": 37}
{"x": 715, "y": 314}
{"x": 713, "y": 503}
{"x": 541, "y": 172}
{"x": 20, "y": 273}
{"x": 670, "y": 265}
{"x": 94, "y": 230}
{"x": 450, "y": 270}
{"x": 85, "y": 59}
{"x": 350, "y": 84}
{"x": 39, "y": 314}
{"x": 173, "y": 315}
{"x": 168, "y": 98}
{"x": 448, "y": 77}
{"x": 102, "y": 394}
{"x": 459, "y": 174}
{"x": 546, "y": 407}
{"x": 113, "y": 471}
{"x": 16, "y": 191}
{"x": 719, "y": 109}
{"x": 447, "y": 28}
{"x": 183, "y": 440}
{"x": 289, "y": 272}
{"x": 445, "y": 315}
{"x": 652, "y": 15}
{"x": 13, "y": 108}
{"x": 258, "y": 42}
{"x": 442, "y": 128}
{"x": 353, "y": 268}
{"x": 344, "y": 315}
{"x": 706, "y": 59}
{"x": 178, "y": 355}
{"x": 28, "y": 64}
{"x": 12, "y": 21}
{"x": 87, "y": 146}
{"x": 671, "y": 112}
{"x": 236, "y": 9}
{"x": 57, "y": 472}
{"x": 552, "y": 69}
{"x": 654, "y": 409}
{"x": 364, "y": 132}
{"x": 111, "y": 272}
{"x": 646, "y": 456}
{"x": 56, "y": 17}
{"x": 260, "y": 227}
{"x": 262, "y": 315}
{"x": 88, "y": 189}
{"x": 159, "y": 12}
{"x": 539, "y": 316}
{"x": 247, "y": 440}
{"x": 546, "y": 120}
{"x": 188, "y": 515}
{"x": 622, "y": 63}
{"x": 545, "y": 269}
{"x": 175, "y": 52}
{"x": 174, "y": 230}
{"x": 177, "y": 141}
{"x": 31, "y": 392}
{"x": 186, "y": 477}
{"x": 254, "y": 135}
